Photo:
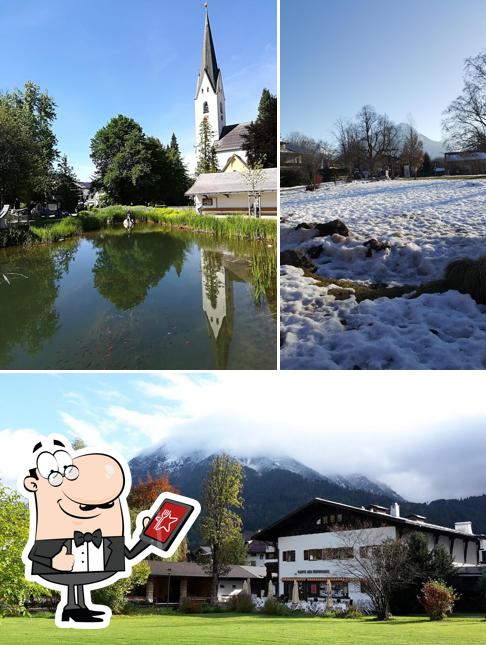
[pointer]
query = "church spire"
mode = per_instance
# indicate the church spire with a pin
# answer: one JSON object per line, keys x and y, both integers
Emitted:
{"x": 209, "y": 64}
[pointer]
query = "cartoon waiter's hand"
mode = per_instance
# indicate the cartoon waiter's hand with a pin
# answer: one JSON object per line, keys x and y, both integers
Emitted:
{"x": 79, "y": 518}
{"x": 63, "y": 561}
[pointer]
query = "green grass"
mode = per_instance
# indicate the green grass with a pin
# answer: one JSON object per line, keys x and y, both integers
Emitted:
{"x": 250, "y": 630}
{"x": 233, "y": 226}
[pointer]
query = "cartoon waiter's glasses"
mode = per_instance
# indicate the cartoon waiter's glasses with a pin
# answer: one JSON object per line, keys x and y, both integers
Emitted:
{"x": 54, "y": 467}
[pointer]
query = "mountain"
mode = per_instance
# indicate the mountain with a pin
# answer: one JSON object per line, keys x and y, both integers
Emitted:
{"x": 274, "y": 486}
{"x": 433, "y": 148}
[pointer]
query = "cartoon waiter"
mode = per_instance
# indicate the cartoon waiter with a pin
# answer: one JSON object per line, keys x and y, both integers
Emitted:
{"x": 78, "y": 520}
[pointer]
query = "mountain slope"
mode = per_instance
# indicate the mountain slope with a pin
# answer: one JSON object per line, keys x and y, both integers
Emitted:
{"x": 275, "y": 486}
{"x": 433, "y": 148}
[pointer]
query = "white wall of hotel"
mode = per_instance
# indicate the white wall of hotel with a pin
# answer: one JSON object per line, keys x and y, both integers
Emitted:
{"x": 321, "y": 570}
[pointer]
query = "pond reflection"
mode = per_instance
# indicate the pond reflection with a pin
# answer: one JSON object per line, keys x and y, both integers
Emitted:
{"x": 150, "y": 300}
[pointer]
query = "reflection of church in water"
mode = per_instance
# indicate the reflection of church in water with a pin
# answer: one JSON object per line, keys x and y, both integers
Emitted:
{"x": 219, "y": 272}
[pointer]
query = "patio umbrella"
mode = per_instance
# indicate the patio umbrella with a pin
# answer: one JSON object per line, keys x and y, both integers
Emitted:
{"x": 295, "y": 593}
{"x": 270, "y": 591}
{"x": 329, "y": 602}
{"x": 246, "y": 586}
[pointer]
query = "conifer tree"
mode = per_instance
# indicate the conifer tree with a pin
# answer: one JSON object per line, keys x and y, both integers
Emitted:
{"x": 260, "y": 140}
{"x": 207, "y": 160}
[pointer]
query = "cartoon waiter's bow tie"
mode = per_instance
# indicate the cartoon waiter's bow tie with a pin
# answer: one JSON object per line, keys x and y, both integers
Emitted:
{"x": 164, "y": 521}
{"x": 81, "y": 538}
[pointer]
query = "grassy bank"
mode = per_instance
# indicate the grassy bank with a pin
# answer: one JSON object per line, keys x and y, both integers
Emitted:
{"x": 250, "y": 630}
{"x": 234, "y": 226}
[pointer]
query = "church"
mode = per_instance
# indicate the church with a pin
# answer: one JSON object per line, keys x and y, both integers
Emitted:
{"x": 227, "y": 191}
{"x": 210, "y": 104}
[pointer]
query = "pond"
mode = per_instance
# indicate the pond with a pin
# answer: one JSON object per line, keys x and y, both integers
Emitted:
{"x": 151, "y": 299}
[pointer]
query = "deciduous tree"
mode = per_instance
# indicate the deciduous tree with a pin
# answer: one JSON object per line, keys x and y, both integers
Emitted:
{"x": 220, "y": 524}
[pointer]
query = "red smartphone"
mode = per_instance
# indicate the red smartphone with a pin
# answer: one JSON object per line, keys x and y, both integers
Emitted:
{"x": 167, "y": 523}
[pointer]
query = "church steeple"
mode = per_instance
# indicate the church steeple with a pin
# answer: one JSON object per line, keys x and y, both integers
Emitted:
{"x": 209, "y": 99}
{"x": 209, "y": 64}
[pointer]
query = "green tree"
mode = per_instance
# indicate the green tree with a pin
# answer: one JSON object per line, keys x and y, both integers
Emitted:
{"x": 64, "y": 187}
{"x": 178, "y": 180}
{"x": 14, "y": 533}
{"x": 260, "y": 140}
{"x": 207, "y": 160}
{"x": 428, "y": 564}
{"x": 220, "y": 524}
{"x": 30, "y": 113}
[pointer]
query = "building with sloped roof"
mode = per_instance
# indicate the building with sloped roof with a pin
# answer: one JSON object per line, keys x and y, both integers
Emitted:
{"x": 319, "y": 543}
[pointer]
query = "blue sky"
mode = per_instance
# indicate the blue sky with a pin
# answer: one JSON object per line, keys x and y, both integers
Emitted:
{"x": 435, "y": 447}
{"x": 99, "y": 58}
{"x": 404, "y": 58}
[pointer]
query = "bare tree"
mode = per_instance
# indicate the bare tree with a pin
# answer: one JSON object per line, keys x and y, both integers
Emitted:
{"x": 254, "y": 176}
{"x": 378, "y": 135}
{"x": 350, "y": 147}
{"x": 412, "y": 153}
{"x": 465, "y": 119}
{"x": 380, "y": 563}
{"x": 316, "y": 154}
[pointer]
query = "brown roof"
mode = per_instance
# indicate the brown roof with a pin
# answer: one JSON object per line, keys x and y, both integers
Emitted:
{"x": 232, "y": 137}
{"x": 194, "y": 570}
{"x": 277, "y": 529}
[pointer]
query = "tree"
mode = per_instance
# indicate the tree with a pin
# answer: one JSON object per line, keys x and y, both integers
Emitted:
{"x": 220, "y": 524}
{"x": 412, "y": 153}
{"x": 254, "y": 177}
{"x": 437, "y": 599}
{"x": 178, "y": 180}
{"x": 15, "y": 590}
{"x": 30, "y": 113}
{"x": 428, "y": 564}
{"x": 381, "y": 568}
{"x": 260, "y": 139}
{"x": 315, "y": 155}
{"x": 143, "y": 495}
{"x": 207, "y": 159}
{"x": 378, "y": 135}
{"x": 64, "y": 186}
{"x": 427, "y": 167}
{"x": 350, "y": 147}
{"x": 464, "y": 120}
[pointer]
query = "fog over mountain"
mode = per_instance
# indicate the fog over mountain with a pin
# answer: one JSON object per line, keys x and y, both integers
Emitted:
{"x": 274, "y": 486}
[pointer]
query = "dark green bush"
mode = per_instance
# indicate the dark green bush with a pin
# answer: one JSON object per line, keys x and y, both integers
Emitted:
{"x": 189, "y": 606}
{"x": 241, "y": 603}
{"x": 273, "y": 607}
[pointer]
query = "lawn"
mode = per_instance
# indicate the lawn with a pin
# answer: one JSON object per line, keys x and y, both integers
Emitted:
{"x": 250, "y": 630}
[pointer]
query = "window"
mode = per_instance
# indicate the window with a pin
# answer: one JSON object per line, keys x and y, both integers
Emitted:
{"x": 288, "y": 556}
{"x": 205, "y": 108}
{"x": 313, "y": 554}
{"x": 221, "y": 107}
{"x": 339, "y": 553}
{"x": 207, "y": 201}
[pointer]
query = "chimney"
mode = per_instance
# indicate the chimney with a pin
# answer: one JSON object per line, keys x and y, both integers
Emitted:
{"x": 395, "y": 510}
{"x": 464, "y": 527}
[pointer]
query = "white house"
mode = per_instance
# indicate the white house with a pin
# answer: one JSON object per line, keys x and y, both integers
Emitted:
{"x": 227, "y": 192}
{"x": 316, "y": 541}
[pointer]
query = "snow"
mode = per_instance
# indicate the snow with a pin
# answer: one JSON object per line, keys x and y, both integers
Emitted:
{"x": 426, "y": 223}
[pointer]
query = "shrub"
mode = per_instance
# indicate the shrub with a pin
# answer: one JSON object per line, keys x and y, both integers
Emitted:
{"x": 437, "y": 599}
{"x": 241, "y": 603}
{"x": 189, "y": 606}
{"x": 350, "y": 612}
{"x": 468, "y": 276}
{"x": 275, "y": 608}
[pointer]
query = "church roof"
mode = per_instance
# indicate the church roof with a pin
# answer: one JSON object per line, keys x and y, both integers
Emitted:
{"x": 232, "y": 137}
{"x": 209, "y": 64}
{"x": 221, "y": 183}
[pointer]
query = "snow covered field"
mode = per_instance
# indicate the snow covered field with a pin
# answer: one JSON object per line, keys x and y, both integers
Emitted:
{"x": 425, "y": 224}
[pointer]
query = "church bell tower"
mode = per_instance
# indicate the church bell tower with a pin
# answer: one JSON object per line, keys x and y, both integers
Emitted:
{"x": 209, "y": 100}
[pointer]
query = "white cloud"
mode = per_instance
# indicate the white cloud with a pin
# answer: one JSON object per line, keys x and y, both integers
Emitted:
{"x": 16, "y": 456}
